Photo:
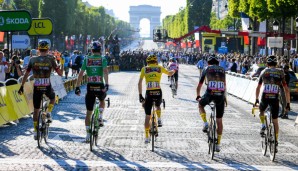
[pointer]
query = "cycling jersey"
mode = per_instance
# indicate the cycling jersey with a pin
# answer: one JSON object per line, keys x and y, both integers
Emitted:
{"x": 216, "y": 79}
{"x": 173, "y": 66}
{"x": 94, "y": 66}
{"x": 272, "y": 78}
{"x": 152, "y": 74}
{"x": 42, "y": 66}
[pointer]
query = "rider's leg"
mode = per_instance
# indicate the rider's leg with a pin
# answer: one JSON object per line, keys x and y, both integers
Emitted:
{"x": 220, "y": 107}
{"x": 36, "y": 103}
{"x": 219, "y": 129}
{"x": 148, "y": 108}
{"x": 89, "y": 102}
{"x": 274, "y": 112}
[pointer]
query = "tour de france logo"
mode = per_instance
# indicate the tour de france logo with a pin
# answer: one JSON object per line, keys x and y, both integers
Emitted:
{"x": 1, "y": 21}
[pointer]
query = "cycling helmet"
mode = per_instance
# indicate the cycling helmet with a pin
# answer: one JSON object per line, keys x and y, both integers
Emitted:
{"x": 43, "y": 45}
{"x": 151, "y": 58}
{"x": 271, "y": 59}
{"x": 212, "y": 57}
{"x": 96, "y": 45}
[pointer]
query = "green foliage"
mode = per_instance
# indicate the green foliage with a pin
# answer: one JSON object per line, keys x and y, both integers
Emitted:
{"x": 222, "y": 24}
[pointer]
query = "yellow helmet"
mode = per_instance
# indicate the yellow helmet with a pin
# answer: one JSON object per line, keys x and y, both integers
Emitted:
{"x": 43, "y": 45}
{"x": 151, "y": 58}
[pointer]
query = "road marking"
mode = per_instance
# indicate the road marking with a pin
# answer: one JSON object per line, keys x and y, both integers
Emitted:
{"x": 139, "y": 164}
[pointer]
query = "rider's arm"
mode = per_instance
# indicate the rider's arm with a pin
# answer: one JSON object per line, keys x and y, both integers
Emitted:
{"x": 169, "y": 73}
{"x": 105, "y": 70}
{"x": 201, "y": 83}
{"x": 25, "y": 77}
{"x": 56, "y": 67}
{"x": 141, "y": 80}
{"x": 259, "y": 87}
{"x": 80, "y": 77}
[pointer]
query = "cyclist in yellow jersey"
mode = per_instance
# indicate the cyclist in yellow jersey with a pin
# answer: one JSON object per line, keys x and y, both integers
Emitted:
{"x": 152, "y": 73}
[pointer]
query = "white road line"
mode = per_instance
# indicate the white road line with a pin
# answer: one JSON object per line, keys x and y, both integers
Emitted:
{"x": 139, "y": 164}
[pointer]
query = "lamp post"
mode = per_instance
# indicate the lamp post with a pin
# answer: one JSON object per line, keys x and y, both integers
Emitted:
{"x": 249, "y": 30}
{"x": 275, "y": 29}
{"x": 296, "y": 35}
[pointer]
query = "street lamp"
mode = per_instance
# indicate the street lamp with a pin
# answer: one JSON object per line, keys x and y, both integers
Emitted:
{"x": 297, "y": 35}
{"x": 249, "y": 31}
{"x": 275, "y": 29}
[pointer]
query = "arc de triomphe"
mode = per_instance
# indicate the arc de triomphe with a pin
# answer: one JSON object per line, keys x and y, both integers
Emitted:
{"x": 137, "y": 13}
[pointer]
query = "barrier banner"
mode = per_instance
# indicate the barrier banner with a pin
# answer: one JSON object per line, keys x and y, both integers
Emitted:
{"x": 28, "y": 92}
{"x": 18, "y": 102}
{"x": 7, "y": 112}
{"x": 58, "y": 86}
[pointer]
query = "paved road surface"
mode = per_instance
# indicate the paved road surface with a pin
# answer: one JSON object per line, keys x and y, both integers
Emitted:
{"x": 180, "y": 146}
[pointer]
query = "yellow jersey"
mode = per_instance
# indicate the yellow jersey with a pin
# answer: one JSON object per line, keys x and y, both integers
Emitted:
{"x": 152, "y": 74}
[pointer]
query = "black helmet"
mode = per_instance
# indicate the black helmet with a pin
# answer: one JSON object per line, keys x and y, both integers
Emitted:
{"x": 96, "y": 45}
{"x": 212, "y": 57}
{"x": 43, "y": 45}
{"x": 271, "y": 59}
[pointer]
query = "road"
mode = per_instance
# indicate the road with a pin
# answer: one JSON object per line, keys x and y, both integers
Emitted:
{"x": 181, "y": 144}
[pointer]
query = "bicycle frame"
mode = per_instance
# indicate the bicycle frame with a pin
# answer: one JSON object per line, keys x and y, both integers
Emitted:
{"x": 94, "y": 124}
{"x": 269, "y": 138}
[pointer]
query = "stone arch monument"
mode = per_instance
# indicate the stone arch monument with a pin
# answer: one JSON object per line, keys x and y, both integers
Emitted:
{"x": 137, "y": 13}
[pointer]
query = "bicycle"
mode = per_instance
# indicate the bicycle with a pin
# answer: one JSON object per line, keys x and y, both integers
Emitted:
{"x": 173, "y": 86}
{"x": 269, "y": 138}
{"x": 42, "y": 124}
{"x": 211, "y": 133}
{"x": 94, "y": 124}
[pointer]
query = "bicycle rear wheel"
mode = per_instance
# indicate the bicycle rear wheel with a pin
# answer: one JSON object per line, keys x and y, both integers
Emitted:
{"x": 92, "y": 130}
{"x": 39, "y": 129}
{"x": 46, "y": 132}
{"x": 152, "y": 132}
{"x": 272, "y": 142}
{"x": 264, "y": 138}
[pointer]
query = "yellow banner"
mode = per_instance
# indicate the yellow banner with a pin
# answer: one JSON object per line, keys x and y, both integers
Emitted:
{"x": 42, "y": 26}
{"x": 7, "y": 112}
{"x": 28, "y": 92}
{"x": 18, "y": 102}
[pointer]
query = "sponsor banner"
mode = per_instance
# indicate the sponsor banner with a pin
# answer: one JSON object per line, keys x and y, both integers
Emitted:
{"x": 7, "y": 113}
{"x": 17, "y": 20}
{"x": 18, "y": 102}
{"x": 20, "y": 41}
{"x": 41, "y": 26}
{"x": 58, "y": 86}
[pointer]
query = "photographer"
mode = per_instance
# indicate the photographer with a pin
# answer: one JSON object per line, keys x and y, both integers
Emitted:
{"x": 15, "y": 70}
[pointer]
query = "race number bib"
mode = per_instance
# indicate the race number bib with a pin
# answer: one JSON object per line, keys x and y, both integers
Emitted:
{"x": 271, "y": 88}
{"x": 42, "y": 82}
{"x": 216, "y": 85}
{"x": 94, "y": 78}
{"x": 153, "y": 85}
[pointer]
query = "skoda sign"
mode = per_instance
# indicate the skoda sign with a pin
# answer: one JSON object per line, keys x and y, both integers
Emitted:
{"x": 41, "y": 26}
{"x": 19, "y": 20}
{"x": 20, "y": 41}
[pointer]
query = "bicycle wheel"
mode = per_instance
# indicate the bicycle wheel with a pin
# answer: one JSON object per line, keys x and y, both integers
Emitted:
{"x": 46, "y": 132}
{"x": 209, "y": 134}
{"x": 213, "y": 142}
{"x": 39, "y": 129}
{"x": 272, "y": 142}
{"x": 264, "y": 139}
{"x": 152, "y": 132}
{"x": 92, "y": 130}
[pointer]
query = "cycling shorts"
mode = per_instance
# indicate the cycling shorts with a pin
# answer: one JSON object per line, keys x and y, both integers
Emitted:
{"x": 38, "y": 92}
{"x": 94, "y": 90}
{"x": 219, "y": 101}
{"x": 274, "y": 106}
{"x": 152, "y": 95}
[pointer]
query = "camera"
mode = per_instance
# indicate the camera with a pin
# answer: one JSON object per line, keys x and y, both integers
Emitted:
{"x": 18, "y": 62}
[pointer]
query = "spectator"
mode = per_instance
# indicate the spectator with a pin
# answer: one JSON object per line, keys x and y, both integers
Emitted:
{"x": 234, "y": 66}
{"x": 66, "y": 63}
{"x": 3, "y": 67}
{"x": 15, "y": 70}
{"x": 73, "y": 59}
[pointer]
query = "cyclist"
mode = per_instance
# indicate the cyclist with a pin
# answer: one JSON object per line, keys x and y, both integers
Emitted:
{"x": 273, "y": 79}
{"x": 152, "y": 73}
{"x": 98, "y": 83}
{"x": 216, "y": 86}
{"x": 173, "y": 65}
{"x": 42, "y": 68}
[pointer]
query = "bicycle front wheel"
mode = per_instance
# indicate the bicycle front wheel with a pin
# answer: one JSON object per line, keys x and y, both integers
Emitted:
{"x": 272, "y": 142}
{"x": 39, "y": 129}
{"x": 92, "y": 130}
{"x": 152, "y": 133}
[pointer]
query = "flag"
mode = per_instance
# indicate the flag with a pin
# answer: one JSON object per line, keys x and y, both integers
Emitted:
{"x": 1, "y": 36}
{"x": 262, "y": 27}
{"x": 244, "y": 21}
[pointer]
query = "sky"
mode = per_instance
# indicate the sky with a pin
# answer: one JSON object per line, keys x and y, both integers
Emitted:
{"x": 121, "y": 7}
